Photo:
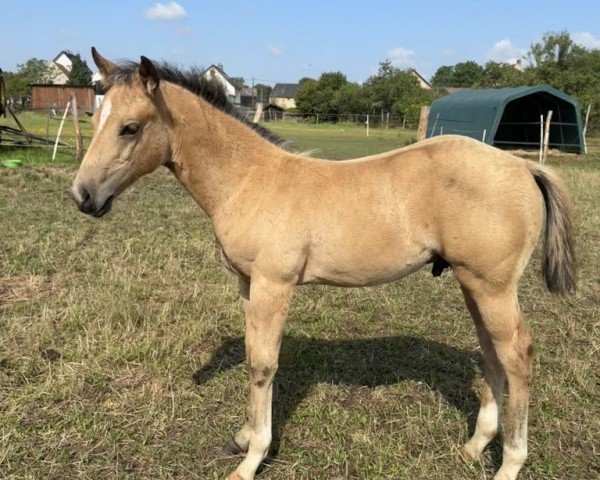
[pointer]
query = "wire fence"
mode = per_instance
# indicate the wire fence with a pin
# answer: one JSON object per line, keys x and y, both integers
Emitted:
{"x": 45, "y": 123}
{"x": 41, "y": 128}
{"x": 359, "y": 119}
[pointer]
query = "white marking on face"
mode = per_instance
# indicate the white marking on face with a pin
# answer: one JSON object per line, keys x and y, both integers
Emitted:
{"x": 104, "y": 114}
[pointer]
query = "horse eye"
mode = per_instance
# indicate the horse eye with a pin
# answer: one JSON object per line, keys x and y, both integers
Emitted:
{"x": 130, "y": 129}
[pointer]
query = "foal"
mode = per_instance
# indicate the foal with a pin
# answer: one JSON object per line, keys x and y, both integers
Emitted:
{"x": 284, "y": 220}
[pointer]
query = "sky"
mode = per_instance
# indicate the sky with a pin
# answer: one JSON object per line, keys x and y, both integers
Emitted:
{"x": 283, "y": 41}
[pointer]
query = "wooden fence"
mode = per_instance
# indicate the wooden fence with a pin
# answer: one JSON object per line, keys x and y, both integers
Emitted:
{"x": 57, "y": 96}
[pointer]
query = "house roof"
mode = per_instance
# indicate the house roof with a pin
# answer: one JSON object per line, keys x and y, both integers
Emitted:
{"x": 69, "y": 55}
{"x": 272, "y": 106}
{"x": 220, "y": 70}
{"x": 285, "y": 90}
{"x": 420, "y": 77}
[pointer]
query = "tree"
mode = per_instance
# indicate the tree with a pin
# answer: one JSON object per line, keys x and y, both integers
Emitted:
{"x": 350, "y": 98}
{"x": 321, "y": 96}
{"x": 558, "y": 61}
{"x": 556, "y": 48}
{"x": 263, "y": 92}
{"x": 467, "y": 74}
{"x": 498, "y": 75}
{"x": 332, "y": 80}
{"x": 238, "y": 82}
{"x": 17, "y": 85}
{"x": 394, "y": 90}
{"x": 463, "y": 74}
{"x": 443, "y": 77}
{"x": 35, "y": 70}
{"x": 305, "y": 79}
{"x": 80, "y": 73}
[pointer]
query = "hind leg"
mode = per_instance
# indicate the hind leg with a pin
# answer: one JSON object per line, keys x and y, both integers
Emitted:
{"x": 507, "y": 338}
{"x": 494, "y": 381}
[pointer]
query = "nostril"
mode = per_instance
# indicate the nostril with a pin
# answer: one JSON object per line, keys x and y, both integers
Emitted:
{"x": 84, "y": 200}
{"x": 85, "y": 195}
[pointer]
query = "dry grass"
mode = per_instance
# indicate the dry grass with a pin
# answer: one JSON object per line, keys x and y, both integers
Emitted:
{"x": 121, "y": 352}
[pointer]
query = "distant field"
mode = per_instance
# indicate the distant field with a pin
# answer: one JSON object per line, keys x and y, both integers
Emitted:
{"x": 328, "y": 140}
{"x": 341, "y": 141}
{"x": 121, "y": 352}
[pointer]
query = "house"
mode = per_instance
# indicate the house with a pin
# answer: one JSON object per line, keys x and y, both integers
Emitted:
{"x": 423, "y": 83}
{"x": 60, "y": 68}
{"x": 518, "y": 65}
{"x": 216, "y": 73}
{"x": 272, "y": 112}
{"x": 283, "y": 94}
{"x": 247, "y": 97}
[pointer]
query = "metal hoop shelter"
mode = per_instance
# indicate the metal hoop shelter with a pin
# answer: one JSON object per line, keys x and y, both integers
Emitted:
{"x": 509, "y": 117}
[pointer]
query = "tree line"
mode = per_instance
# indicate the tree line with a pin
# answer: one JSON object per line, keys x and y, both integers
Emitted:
{"x": 556, "y": 60}
{"x": 391, "y": 90}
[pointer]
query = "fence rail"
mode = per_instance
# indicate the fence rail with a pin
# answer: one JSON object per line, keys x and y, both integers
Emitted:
{"x": 44, "y": 123}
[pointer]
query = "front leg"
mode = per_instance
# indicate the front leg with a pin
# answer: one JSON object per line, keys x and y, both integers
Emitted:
{"x": 265, "y": 310}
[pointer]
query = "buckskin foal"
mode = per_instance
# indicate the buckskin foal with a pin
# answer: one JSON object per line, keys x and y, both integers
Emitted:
{"x": 282, "y": 219}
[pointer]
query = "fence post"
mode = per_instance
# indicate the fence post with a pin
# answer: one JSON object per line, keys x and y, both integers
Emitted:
{"x": 547, "y": 135}
{"x": 541, "y": 137}
{"x": 367, "y": 124}
{"x": 258, "y": 112}
{"x": 423, "y": 119}
{"x": 62, "y": 122}
{"x": 585, "y": 127}
{"x": 78, "y": 139}
{"x": 48, "y": 128}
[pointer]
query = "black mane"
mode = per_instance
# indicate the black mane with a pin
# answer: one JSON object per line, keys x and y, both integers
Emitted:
{"x": 194, "y": 81}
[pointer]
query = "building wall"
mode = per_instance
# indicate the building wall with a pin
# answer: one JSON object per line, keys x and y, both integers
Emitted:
{"x": 283, "y": 102}
{"x": 214, "y": 74}
{"x": 64, "y": 60}
{"x": 58, "y": 77}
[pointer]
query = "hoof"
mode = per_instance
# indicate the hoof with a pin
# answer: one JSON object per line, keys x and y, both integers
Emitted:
{"x": 232, "y": 448}
{"x": 468, "y": 453}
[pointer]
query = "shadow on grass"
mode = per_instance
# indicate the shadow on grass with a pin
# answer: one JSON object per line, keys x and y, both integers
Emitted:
{"x": 371, "y": 362}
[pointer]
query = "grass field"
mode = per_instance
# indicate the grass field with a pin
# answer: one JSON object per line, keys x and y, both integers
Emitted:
{"x": 38, "y": 123}
{"x": 121, "y": 352}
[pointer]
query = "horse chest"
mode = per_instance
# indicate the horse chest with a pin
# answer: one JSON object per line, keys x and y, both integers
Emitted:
{"x": 228, "y": 263}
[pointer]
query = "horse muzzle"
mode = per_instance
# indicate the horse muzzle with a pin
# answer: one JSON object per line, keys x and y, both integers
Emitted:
{"x": 88, "y": 204}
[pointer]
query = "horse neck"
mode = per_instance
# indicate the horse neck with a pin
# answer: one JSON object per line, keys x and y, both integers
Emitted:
{"x": 212, "y": 152}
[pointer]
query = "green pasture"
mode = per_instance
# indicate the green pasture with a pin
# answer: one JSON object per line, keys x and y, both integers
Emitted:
{"x": 121, "y": 351}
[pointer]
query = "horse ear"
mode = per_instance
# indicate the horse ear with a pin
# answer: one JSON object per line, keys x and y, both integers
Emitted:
{"x": 105, "y": 67}
{"x": 148, "y": 74}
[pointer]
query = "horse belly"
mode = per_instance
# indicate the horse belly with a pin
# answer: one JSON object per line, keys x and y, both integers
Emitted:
{"x": 363, "y": 267}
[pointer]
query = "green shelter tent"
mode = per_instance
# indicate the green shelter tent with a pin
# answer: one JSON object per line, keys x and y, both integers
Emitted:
{"x": 509, "y": 117}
